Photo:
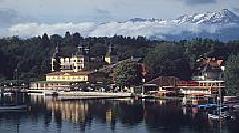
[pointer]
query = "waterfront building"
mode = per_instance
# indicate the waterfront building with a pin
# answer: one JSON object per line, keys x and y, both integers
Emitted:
{"x": 83, "y": 76}
{"x": 68, "y": 80}
{"x": 203, "y": 87}
{"x": 172, "y": 85}
{"x": 162, "y": 84}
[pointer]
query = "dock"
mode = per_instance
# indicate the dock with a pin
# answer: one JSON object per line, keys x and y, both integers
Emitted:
{"x": 79, "y": 95}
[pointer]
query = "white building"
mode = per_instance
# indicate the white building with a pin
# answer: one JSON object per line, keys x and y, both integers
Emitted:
{"x": 79, "y": 61}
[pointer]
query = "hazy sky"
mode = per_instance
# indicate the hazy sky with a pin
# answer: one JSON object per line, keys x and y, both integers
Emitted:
{"x": 54, "y": 11}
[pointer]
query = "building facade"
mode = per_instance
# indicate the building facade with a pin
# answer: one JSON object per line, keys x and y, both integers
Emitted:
{"x": 209, "y": 69}
{"x": 171, "y": 84}
{"x": 204, "y": 87}
{"x": 77, "y": 62}
{"x": 60, "y": 81}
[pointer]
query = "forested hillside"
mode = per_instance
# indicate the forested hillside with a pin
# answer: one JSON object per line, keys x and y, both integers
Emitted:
{"x": 29, "y": 59}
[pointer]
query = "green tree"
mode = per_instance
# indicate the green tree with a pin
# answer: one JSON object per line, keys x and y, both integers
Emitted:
{"x": 127, "y": 74}
{"x": 45, "y": 41}
{"x": 168, "y": 59}
{"x": 231, "y": 74}
{"x": 55, "y": 40}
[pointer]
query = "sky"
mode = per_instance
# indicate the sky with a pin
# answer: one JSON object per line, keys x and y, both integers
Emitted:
{"x": 54, "y": 11}
{"x": 76, "y": 11}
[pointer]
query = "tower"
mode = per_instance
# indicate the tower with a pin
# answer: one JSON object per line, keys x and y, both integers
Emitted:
{"x": 111, "y": 56}
{"x": 55, "y": 60}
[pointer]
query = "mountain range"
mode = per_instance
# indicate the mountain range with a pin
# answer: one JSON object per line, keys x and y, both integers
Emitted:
{"x": 222, "y": 25}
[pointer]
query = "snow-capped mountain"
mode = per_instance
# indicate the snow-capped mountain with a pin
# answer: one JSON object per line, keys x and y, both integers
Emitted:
{"x": 223, "y": 25}
{"x": 220, "y": 17}
{"x": 144, "y": 20}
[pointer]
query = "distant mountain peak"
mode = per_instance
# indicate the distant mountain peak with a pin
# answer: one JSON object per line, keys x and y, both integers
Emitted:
{"x": 145, "y": 20}
{"x": 222, "y": 25}
{"x": 221, "y": 17}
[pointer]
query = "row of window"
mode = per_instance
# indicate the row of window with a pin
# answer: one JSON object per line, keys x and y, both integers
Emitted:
{"x": 69, "y": 61}
{"x": 78, "y": 61}
{"x": 70, "y": 67}
{"x": 211, "y": 84}
{"x": 82, "y": 78}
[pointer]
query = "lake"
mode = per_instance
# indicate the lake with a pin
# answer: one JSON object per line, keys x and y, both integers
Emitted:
{"x": 49, "y": 115}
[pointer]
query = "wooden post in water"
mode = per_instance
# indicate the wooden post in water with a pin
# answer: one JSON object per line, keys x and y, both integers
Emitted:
{"x": 220, "y": 121}
{"x": 2, "y": 96}
{"x": 2, "y": 91}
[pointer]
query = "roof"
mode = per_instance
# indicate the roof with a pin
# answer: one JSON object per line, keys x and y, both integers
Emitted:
{"x": 163, "y": 81}
{"x": 211, "y": 81}
{"x": 51, "y": 82}
{"x": 60, "y": 82}
{"x": 71, "y": 73}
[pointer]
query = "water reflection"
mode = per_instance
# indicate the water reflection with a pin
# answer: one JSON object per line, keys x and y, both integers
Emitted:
{"x": 84, "y": 112}
{"x": 48, "y": 114}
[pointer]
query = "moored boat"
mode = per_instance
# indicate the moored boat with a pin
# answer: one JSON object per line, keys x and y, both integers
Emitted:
{"x": 236, "y": 106}
{"x": 222, "y": 116}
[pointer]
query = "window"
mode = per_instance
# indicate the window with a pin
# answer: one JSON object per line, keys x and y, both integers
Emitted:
{"x": 222, "y": 76}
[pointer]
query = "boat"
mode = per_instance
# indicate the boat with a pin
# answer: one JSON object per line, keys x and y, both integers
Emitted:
{"x": 13, "y": 107}
{"x": 207, "y": 106}
{"x": 221, "y": 116}
{"x": 51, "y": 93}
{"x": 236, "y": 107}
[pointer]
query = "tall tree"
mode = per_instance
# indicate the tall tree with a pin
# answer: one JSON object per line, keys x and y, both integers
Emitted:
{"x": 68, "y": 35}
{"x": 231, "y": 74}
{"x": 45, "y": 41}
{"x": 55, "y": 39}
{"x": 127, "y": 74}
{"x": 76, "y": 37}
{"x": 168, "y": 59}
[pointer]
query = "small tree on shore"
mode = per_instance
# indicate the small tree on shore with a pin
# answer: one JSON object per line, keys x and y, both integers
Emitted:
{"x": 126, "y": 74}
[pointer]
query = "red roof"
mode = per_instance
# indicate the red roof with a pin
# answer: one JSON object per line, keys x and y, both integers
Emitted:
{"x": 163, "y": 81}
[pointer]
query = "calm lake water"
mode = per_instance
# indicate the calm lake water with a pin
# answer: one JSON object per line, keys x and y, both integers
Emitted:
{"x": 49, "y": 115}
